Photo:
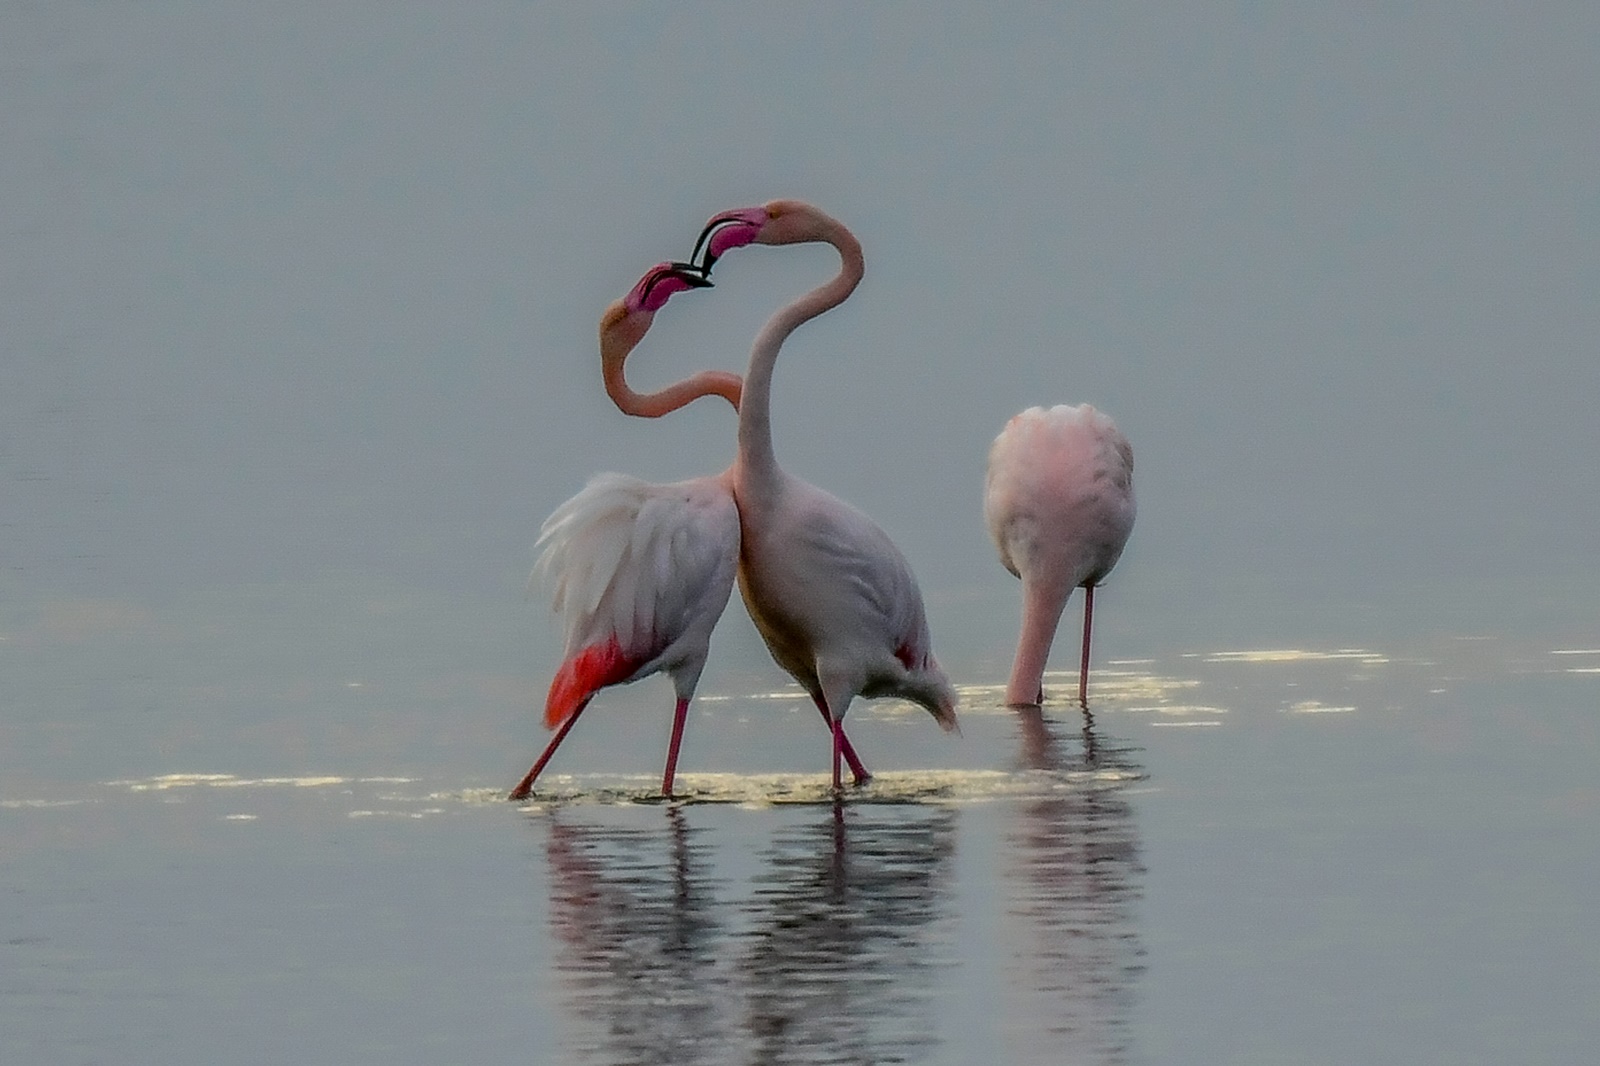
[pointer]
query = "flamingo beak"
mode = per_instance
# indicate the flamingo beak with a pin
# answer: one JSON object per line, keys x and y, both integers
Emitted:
{"x": 691, "y": 275}
{"x": 683, "y": 275}
{"x": 730, "y": 229}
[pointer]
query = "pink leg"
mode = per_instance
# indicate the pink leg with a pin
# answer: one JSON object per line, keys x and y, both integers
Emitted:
{"x": 672, "y": 750}
{"x": 1088, "y": 620}
{"x": 838, "y": 749}
{"x": 525, "y": 786}
{"x": 862, "y": 775}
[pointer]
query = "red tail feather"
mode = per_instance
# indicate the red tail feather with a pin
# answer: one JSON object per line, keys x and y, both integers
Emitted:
{"x": 591, "y": 669}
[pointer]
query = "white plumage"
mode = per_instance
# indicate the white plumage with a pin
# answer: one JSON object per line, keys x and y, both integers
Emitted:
{"x": 649, "y": 565}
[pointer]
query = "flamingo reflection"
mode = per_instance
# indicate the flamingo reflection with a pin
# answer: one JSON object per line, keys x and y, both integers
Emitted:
{"x": 841, "y": 964}
{"x": 1074, "y": 879}
{"x": 830, "y": 957}
{"x": 638, "y": 939}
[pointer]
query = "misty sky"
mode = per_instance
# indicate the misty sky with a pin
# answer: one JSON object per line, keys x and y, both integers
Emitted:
{"x": 307, "y": 290}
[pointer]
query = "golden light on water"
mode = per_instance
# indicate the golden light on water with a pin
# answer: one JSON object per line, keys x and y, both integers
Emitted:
{"x": 1296, "y": 655}
{"x": 1314, "y": 707}
{"x": 164, "y": 782}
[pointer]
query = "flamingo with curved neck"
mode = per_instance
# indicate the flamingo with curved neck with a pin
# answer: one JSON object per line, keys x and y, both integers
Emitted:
{"x": 830, "y": 593}
{"x": 642, "y": 572}
{"x": 620, "y": 332}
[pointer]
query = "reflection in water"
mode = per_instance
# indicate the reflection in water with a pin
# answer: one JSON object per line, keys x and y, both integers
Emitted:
{"x": 1073, "y": 879}
{"x": 840, "y": 966}
{"x": 834, "y": 959}
{"x": 833, "y": 949}
{"x": 635, "y": 921}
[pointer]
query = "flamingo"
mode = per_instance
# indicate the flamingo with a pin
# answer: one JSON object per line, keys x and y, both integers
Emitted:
{"x": 642, "y": 571}
{"x": 1058, "y": 499}
{"x": 835, "y": 601}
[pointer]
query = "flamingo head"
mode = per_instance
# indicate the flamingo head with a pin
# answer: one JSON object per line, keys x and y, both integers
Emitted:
{"x": 938, "y": 696}
{"x": 777, "y": 222}
{"x": 660, "y": 282}
{"x": 625, "y": 322}
{"x": 623, "y": 326}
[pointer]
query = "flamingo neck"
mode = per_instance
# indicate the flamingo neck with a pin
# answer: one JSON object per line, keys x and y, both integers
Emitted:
{"x": 1041, "y": 613}
{"x": 758, "y": 463}
{"x": 614, "y": 353}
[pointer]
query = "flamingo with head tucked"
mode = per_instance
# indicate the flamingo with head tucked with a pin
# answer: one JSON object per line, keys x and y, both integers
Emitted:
{"x": 1058, "y": 499}
{"x": 828, "y": 590}
{"x": 642, "y": 572}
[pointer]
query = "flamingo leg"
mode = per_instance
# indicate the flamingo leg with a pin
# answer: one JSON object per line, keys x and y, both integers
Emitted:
{"x": 678, "y": 718}
{"x": 861, "y": 773}
{"x": 525, "y": 786}
{"x": 838, "y": 749}
{"x": 1088, "y": 620}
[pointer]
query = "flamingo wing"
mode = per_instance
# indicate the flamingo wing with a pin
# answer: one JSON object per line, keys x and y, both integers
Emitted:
{"x": 884, "y": 592}
{"x": 841, "y": 600}
{"x": 641, "y": 573}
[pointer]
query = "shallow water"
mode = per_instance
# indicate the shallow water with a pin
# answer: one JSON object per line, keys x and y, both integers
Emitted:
{"x": 1252, "y": 855}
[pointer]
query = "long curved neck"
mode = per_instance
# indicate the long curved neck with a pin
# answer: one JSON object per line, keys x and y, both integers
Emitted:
{"x": 665, "y": 401}
{"x": 614, "y": 352}
{"x": 757, "y": 461}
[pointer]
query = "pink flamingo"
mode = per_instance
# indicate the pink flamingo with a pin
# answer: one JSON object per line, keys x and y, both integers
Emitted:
{"x": 828, "y": 590}
{"x": 642, "y": 571}
{"x": 1058, "y": 499}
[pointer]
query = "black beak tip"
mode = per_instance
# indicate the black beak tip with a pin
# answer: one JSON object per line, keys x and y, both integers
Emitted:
{"x": 691, "y": 275}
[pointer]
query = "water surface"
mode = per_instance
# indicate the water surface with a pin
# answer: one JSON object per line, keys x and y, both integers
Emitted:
{"x": 1244, "y": 855}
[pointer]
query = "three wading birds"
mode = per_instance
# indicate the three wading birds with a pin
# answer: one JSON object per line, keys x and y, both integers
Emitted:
{"x": 641, "y": 572}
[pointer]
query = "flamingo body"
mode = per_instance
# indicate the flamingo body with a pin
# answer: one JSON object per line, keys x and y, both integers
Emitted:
{"x": 837, "y": 603}
{"x": 1058, "y": 500}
